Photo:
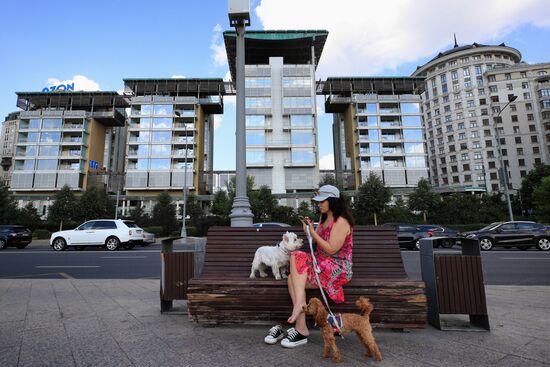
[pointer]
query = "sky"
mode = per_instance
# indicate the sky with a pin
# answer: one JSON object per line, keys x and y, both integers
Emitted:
{"x": 98, "y": 43}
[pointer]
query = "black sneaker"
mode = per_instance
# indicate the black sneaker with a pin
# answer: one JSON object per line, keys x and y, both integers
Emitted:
{"x": 275, "y": 334}
{"x": 293, "y": 339}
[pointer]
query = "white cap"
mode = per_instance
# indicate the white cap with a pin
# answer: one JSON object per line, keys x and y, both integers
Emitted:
{"x": 325, "y": 192}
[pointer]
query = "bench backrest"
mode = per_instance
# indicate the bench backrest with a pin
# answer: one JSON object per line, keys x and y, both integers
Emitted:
{"x": 230, "y": 251}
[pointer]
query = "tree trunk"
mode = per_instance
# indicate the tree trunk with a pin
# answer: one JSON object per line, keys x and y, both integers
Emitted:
{"x": 61, "y": 225}
{"x": 424, "y": 212}
{"x": 375, "y": 219}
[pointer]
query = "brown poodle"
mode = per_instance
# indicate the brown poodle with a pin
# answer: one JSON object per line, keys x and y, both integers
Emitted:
{"x": 351, "y": 322}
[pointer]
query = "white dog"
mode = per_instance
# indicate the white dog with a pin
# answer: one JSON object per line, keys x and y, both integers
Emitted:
{"x": 277, "y": 257}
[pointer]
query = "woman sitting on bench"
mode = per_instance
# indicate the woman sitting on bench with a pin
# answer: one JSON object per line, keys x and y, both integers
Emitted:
{"x": 334, "y": 239}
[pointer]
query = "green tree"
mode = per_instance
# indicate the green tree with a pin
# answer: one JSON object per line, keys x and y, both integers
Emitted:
{"x": 94, "y": 204}
{"x": 285, "y": 214}
{"x": 164, "y": 214}
{"x": 328, "y": 179}
{"x": 220, "y": 204}
{"x": 304, "y": 210}
{"x": 372, "y": 198}
{"x": 8, "y": 207}
{"x": 64, "y": 207}
{"x": 140, "y": 217}
{"x": 262, "y": 204}
{"x": 492, "y": 209}
{"x": 541, "y": 200}
{"x": 29, "y": 217}
{"x": 193, "y": 208}
{"x": 530, "y": 181}
{"x": 423, "y": 199}
{"x": 398, "y": 212}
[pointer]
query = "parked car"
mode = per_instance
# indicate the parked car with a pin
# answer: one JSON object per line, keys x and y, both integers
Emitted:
{"x": 14, "y": 235}
{"x": 270, "y": 224}
{"x": 408, "y": 235}
{"x": 507, "y": 234}
{"x": 148, "y": 238}
{"x": 110, "y": 233}
{"x": 436, "y": 230}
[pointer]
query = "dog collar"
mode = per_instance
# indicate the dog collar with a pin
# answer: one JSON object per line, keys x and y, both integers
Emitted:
{"x": 285, "y": 251}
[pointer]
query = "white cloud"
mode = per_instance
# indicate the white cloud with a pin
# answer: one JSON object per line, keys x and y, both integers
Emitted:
{"x": 80, "y": 83}
{"x": 327, "y": 162}
{"x": 217, "y": 121}
{"x": 217, "y": 46}
{"x": 227, "y": 76}
{"x": 178, "y": 77}
{"x": 368, "y": 37}
{"x": 231, "y": 100}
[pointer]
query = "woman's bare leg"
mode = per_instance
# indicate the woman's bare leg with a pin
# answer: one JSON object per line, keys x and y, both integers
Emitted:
{"x": 299, "y": 282}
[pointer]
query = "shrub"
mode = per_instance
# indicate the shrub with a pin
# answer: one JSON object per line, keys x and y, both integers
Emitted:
{"x": 42, "y": 234}
{"x": 156, "y": 230}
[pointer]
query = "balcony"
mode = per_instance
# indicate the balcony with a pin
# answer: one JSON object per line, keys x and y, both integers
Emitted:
{"x": 290, "y": 163}
{"x": 277, "y": 144}
{"x": 109, "y": 118}
{"x": 266, "y": 163}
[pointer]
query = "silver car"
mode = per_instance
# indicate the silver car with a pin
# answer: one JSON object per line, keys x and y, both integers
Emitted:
{"x": 148, "y": 238}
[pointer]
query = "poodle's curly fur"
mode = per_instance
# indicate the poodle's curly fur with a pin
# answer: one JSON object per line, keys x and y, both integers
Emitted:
{"x": 351, "y": 322}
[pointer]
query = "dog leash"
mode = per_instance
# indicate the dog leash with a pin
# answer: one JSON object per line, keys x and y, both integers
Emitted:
{"x": 317, "y": 272}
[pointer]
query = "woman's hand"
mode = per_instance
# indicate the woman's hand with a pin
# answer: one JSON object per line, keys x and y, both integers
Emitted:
{"x": 307, "y": 222}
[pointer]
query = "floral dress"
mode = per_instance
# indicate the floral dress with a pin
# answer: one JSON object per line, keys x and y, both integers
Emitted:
{"x": 335, "y": 270}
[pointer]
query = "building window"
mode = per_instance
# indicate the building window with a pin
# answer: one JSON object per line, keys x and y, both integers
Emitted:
{"x": 536, "y": 150}
{"x": 259, "y": 82}
{"x": 296, "y": 102}
{"x": 415, "y": 162}
{"x": 412, "y": 134}
{"x": 304, "y": 156}
{"x": 163, "y": 109}
{"x": 49, "y": 137}
{"x": 507, "y": 76}
{"x": 534, "y": 139}
{"x": 256, "y": 120}
{"x": 301, "y": 137}
{"x": 307, "y": 120}
{"x": 162, "y": 136}
{"x": 509, "y": 86}
{"x": 258, "y": 102}
{"x": 525, "y": 85}
{"x": 411, "y": 121}
{"x": 51, "y": 124}
{"x": 255, "y": 156}
{"x": 521, "y": 162}
{"x": 519, "y": 151}
{"x": 518, "y": 139}
{"x": 526, "y": 95}
{"x": 514, "y": 118}
{"x": 255, "y": 138}
{"x": 162, "y": 123}
{"x": 47, "y": 164}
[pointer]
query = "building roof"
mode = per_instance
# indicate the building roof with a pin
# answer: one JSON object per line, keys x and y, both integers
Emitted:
{"x": 346, "y": 86}
{"x": 176, "y": 86}
{"x": 475, "y": 46}
{"x": 70, "y": 100}
{"x": 293, "y": 45}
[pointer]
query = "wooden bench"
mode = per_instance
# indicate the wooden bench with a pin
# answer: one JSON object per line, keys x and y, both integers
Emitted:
{"x": 224, "y": 293}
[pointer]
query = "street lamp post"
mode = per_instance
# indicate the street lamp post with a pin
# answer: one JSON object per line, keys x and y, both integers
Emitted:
{"x": 183, "y": 229}
{"x": 503, "y": 171}
{"x": 239, "y": 17}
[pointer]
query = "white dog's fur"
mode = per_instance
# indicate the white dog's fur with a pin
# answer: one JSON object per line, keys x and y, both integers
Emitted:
{"x": 276, "y": 257}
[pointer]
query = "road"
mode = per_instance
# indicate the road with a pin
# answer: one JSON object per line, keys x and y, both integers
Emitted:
{"x": 38, "y": 260}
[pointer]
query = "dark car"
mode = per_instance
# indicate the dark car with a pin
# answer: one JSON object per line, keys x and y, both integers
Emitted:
{"x": 507, "y": 234}
{"x": 13, "y": 235}
{"x": 408, "y": 235}
{"x": 436, "y": 230}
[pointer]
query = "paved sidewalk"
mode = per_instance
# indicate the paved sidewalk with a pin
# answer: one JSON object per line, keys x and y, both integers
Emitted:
{"x": 118, "y": 323}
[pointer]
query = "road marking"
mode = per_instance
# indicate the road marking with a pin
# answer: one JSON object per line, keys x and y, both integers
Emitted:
{"x": 525, "y": 258}
{"x": 66, "y": 276}
{"x": 66, "y": 266}
{"x": 123, "y": 257}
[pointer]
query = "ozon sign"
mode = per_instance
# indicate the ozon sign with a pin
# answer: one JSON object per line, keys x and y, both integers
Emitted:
{"x": 61, "y": 87}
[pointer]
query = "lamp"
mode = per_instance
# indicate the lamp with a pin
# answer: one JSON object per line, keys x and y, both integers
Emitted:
{"x": 184, "y": 214}
{"x": 503, "y": 171}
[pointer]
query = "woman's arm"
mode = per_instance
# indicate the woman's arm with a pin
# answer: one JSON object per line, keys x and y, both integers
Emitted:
{"x": 338, "y": 235}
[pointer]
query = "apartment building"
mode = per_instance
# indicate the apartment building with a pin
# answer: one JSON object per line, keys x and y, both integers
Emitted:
{"x": 7, "y": 139}
{"x": 458, "y": 118}
{"x": 522, "y": 136}
{"x": 281, "y": 114}
{"x": 170, "y": 137}
{"x": 377, "y": 127}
